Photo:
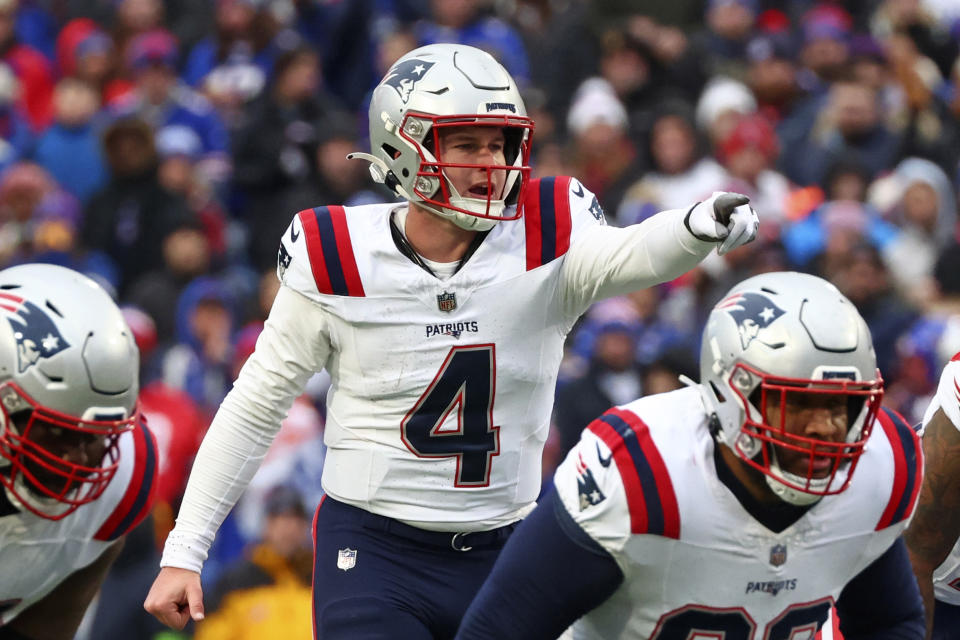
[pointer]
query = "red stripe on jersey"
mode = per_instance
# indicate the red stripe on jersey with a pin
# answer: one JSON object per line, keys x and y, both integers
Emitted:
{"x": 318, "y": 264}
{"x": 564, "y": 223}
{"x": 140, "y": 492}
{"x": 955, "y": 357}
{"x": 899, "y": 473}
{"x": 908, "y": 468}
{"x": 628, "y": 473}
{"x": 668, "y": 497}
{"x": 348, "y": 261}
{"x": 531, "y": 222}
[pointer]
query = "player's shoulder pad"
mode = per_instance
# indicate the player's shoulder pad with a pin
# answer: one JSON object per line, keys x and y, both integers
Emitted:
{"x": 907, "y": 467}
{"x": 948, "y": 391}
{"x": 138, "y": 497}
{"x": 556, "y": 210}
{"x": 651, "y": 498}
{"x": 316, "y": 254}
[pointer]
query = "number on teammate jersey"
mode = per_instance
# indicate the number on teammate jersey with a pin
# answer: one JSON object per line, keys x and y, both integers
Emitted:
{"x": 796, "y": 622}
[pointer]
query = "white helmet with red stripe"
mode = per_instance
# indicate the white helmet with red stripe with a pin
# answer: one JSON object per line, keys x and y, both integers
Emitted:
{"x": 787, "y": 340}
{"x": 68, "y": 388}
{"x": 438, "y": 87}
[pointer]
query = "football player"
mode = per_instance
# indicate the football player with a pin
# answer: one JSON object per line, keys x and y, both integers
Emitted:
{"x": 77, "y": 463}
{"x": 934, "y": 536}
{"x": 441, "y": 320}
{"x": 746, "y": 506}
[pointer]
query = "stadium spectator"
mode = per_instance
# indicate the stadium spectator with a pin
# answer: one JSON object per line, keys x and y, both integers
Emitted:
{"x": 70, "y": 149}
{"x": 267, "y": 593}
{"x": 129, "y": 218}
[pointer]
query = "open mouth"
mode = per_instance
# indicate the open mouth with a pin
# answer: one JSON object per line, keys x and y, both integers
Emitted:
{"x": 480, "y": 190}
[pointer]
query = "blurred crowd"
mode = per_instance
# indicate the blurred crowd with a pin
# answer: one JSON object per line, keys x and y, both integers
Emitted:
{"x": 161, "y": 146}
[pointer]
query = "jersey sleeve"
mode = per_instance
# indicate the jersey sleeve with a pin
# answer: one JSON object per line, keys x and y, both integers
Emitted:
{"x": 604, "y": 261}
{"x": 614, "y": 483}
{"x": 294, "y": 345}
{"x": 947, "y": 397}
{"x": 140, "y": 489}
{"x": 907, "y": 469}
{"x": 316, "y": 255}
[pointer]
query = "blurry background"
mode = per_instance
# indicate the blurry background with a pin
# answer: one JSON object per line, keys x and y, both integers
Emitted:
{"x": 162, "y": 146}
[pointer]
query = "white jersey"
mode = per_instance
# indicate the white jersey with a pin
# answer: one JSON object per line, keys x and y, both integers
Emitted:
{"x": 37, "y": 554}
{"x": 946, "y": 577}
{"x": 441, "y": 390}
{"x": 642, "y": 482}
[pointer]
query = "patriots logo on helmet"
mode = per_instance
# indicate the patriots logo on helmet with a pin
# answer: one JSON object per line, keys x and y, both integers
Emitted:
{"x": 752, "y": 312}
{"x": 404, "y": 76}
{"x": 36, "y": 334}
{"x": 587, "y": 486}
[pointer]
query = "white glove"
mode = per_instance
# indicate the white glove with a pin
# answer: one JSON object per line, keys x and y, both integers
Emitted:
{"x": 723, "y": 216}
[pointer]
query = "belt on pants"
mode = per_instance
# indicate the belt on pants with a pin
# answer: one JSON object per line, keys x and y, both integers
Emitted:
{"x": 458, "y": 541}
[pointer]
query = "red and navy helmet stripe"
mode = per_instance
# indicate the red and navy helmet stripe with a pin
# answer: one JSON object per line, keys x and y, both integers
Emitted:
{"x": 6, "y": 299}
{"x": 138, "y": 498}
{"x": 331, "y": 252}
{"x": 650, "y": 495}
{"x": 908, "y": 467}
{"x": 546, "y": 214}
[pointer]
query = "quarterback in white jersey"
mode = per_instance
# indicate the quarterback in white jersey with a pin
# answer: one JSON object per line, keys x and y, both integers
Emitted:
{"x": 678, "y": 517}
{"x": 934, "y": 535}
{"x": 441, "y": 321}
{"x": 77, "y": 463}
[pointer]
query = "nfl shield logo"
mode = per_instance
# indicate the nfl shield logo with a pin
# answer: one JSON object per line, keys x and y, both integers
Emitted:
{"x": 778, "y": 554}
{"x": 447, "y": 301}
{"x": 346, "y": 559}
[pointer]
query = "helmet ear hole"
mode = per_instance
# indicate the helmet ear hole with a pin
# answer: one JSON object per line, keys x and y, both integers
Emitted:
{"x": 392, "y": 152}
{"x": 716, "y": 392}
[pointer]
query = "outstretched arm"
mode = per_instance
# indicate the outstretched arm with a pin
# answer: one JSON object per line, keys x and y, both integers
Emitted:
{"x": 609, "y": 261}
{"x": 936, "y": 525}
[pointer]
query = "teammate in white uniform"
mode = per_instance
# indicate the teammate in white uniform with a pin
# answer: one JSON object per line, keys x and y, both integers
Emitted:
{"x": 441, "y": 321}
{"x": 729, "y": 509}
{"x": 934, "y": 536}
{"x": 77, "y": 465}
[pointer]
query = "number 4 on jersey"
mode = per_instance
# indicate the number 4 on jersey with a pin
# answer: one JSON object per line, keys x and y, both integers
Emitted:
{"x": 466, "y": 383}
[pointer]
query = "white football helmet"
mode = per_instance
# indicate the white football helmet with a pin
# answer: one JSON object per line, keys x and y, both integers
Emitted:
{"x": 437, "y": 87}
{"x": 68, "y": 388}
{"x": 784, "y": 337}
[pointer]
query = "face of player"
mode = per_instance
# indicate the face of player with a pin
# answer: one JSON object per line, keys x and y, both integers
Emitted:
{"x": 72, "y": 447}
{"x": 819, "y": 417}
{"x": 474, "y": 145}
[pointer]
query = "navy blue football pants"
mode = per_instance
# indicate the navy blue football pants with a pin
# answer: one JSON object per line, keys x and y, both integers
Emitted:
{"x": 402, "y": 581}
